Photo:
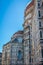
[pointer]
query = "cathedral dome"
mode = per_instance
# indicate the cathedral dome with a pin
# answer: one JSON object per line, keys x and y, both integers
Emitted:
{"x": 17, "y": 34}
{"x": 29, "y": 6}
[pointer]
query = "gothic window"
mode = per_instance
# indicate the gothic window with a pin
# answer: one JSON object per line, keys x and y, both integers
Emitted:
{"x": 16, "y": 40}
{"x": 38, "y": 5}
{"x": 19, "y": 55}
{"x": 39, "y": 13}
{"x": 40, "y": 34}
{"x": 40, "y": 24}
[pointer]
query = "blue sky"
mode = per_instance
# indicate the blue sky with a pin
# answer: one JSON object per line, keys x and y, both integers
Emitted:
{"x": 11, "y": 18}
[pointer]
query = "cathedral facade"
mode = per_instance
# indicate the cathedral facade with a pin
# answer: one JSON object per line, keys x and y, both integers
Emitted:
{"x": 13, "y": 50}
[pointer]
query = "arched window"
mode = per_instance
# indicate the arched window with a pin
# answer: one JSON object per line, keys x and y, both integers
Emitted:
{"x": 19, "y": 55}
{"x": 40, "y": 34}
{"x": 16, "y": 40}
{"x": 39, "y": 13}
